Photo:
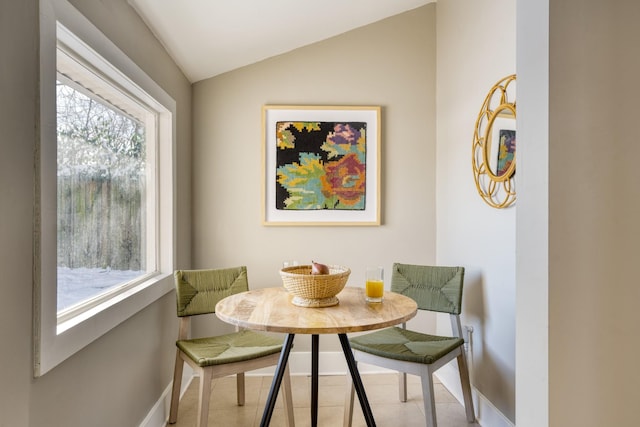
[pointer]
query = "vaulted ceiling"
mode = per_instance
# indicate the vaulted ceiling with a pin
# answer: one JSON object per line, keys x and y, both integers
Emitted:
{"x": 211, "y": 37}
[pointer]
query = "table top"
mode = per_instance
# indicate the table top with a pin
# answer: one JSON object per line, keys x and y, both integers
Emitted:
{"x": 270, "y": 309}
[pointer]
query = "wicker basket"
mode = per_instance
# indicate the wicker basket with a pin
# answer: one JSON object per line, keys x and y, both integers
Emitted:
{"x": 314, "y": 290}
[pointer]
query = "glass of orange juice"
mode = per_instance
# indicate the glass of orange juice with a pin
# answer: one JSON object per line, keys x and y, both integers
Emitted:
{"x": 374, "y": 285}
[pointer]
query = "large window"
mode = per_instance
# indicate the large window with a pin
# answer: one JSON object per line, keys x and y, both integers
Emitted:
{"x": 106, "y": 191}
{"x": 104, "y": 246}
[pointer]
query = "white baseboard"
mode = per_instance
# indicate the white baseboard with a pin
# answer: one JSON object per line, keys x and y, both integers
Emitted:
{"x": 159, "y": 414}
{"x": 486, "y": 413}
{"x": 333, "y": 363}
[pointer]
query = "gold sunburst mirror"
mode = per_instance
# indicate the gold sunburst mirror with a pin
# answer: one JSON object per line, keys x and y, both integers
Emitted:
{"x": 494, "y": 145}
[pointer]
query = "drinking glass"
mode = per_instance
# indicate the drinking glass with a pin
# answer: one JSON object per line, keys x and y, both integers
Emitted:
{"x": 374, "y": 285}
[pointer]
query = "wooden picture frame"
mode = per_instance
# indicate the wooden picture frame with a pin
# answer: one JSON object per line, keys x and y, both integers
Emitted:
{"x": 321, "y": 165}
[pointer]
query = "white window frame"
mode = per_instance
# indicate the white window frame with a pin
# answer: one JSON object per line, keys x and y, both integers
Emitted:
{"x": 57, "y": 338}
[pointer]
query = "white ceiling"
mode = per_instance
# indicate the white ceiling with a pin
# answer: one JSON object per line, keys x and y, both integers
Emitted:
{"x": 209, "y": 37}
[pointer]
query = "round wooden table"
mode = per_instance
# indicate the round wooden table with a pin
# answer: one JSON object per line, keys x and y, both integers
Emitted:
{"x": 270, "y": 309}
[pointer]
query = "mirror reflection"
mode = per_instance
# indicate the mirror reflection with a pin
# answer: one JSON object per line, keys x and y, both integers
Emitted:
{"x": 501, "y": 144}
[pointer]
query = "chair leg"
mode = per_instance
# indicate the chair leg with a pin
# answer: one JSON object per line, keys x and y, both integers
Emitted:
{"x": 428, "y": 397}
{"x": 287, "y": 397}
{"x": 402, "y": 383}
{"x": 205, "y": 395}
{"x": 240, "y": 388}
{"x": 175, "y": 390}
{"x": 348, "y": 403}
{"x": 466, "y": 387}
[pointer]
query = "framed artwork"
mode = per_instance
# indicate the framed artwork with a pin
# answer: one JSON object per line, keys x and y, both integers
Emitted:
{"x": 321, "y": 165}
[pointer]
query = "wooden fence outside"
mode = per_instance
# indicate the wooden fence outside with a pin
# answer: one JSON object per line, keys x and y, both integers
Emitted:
{"x": 101, "y": 222}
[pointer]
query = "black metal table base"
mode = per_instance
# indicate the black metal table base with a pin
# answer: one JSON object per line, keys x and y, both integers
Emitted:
{"x": 277, "y": 380}
{"x": 282, "y": 363}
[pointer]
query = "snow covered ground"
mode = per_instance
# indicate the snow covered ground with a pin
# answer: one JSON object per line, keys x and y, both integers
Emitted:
{"x": 77, "y": 284}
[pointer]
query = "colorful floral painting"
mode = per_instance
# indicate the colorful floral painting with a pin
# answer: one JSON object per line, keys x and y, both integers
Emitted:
{"x": 506, "y": 150}
{"x": 321, "y": 165}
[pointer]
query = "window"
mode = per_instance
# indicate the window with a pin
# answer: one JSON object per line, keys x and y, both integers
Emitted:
{"x": 104, "y": 247}
{"x": 105, "y": 187}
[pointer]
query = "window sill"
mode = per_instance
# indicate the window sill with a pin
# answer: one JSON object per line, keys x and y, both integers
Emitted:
{"x": 62, "y": 341}
{"x": 141, "y": 296}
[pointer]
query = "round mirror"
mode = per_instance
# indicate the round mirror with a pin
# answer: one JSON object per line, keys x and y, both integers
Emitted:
{"x": 494, "y": 145}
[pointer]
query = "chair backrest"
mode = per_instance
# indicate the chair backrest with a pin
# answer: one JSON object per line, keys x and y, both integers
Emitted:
{"x": 433, "y": 288}
{"x": 198, "y": 291}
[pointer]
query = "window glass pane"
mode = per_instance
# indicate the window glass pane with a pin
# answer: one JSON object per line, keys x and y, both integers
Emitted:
{"x": 101, "y": 201}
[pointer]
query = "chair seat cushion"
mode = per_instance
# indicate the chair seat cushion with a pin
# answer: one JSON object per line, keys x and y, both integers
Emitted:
{"x": 230, "y": 348}
{"x": 403, "y": 344}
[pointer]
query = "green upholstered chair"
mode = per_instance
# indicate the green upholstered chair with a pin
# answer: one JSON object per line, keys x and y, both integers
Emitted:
{"x": 198, "y": 292}
{"x": 434, "y": 289}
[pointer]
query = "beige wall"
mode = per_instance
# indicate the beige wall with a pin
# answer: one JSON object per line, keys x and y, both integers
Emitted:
{"x": 118, "y": 378}
{"x": 594, "y": 206}
{"x": 472, "y": 56}
{"x": 19, "y": 89}
{"x": 390, "y": 63}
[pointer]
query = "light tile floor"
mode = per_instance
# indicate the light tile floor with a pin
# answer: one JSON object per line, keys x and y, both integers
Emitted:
{"x": 382, "y": 392}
